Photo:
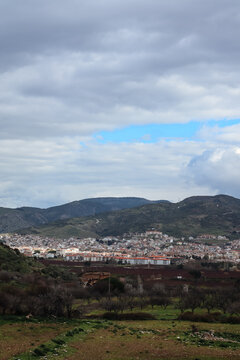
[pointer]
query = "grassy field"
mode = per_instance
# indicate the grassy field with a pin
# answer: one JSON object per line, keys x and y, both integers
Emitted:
{"x": 17, "y": 336}
{"x": 153, "y": 340}
{"x": 164, "y": 338}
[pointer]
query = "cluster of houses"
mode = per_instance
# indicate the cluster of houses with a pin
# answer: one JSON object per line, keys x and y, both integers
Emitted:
{"x": 149, "y": 248}
{"x": 93, "y": 257}
{"x": 157, "y": 260}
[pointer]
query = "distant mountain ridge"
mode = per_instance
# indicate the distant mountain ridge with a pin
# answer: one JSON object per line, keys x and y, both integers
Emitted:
{"x": 218, "y": 215}
{"x": 25, "y": 217}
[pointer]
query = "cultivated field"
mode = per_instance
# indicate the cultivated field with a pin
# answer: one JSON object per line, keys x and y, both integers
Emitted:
{"x": 118, "y": 340}
{"x": 118, "y": 313}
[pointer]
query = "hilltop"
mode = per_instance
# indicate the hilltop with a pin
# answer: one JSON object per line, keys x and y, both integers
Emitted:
{"x": 219, "y": 215}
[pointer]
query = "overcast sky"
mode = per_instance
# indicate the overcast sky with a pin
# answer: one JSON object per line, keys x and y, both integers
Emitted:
{"x": 118, "y": 98}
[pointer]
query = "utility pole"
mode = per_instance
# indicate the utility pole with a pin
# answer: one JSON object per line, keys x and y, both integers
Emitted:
{"x": 109, "y": 285}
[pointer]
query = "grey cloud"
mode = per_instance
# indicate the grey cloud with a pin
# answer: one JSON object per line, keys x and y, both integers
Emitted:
{"x": 86, "y": 66}
{"x": 172, "y": 27}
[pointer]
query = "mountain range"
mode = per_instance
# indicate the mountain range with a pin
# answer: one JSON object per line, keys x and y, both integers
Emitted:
{"x": 25, "y": 217}
{"x": 218, "y": 215}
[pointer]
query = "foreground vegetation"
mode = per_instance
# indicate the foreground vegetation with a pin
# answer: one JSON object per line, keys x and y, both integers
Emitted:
{"x": 47, "y": 312}
{"x": 112, "y": 340}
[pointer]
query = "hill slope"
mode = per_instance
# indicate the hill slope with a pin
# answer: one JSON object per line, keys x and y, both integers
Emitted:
{"x": 218, "y": 215}
{"x": 15, "y": 219}
{"x": 12, "y": 260}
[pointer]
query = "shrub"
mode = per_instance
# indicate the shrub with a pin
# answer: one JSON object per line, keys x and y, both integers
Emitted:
{"x": 189, "y": 316}
{"x": 233, "y": 319}
{"x": 70, "y": 333}
{"x": 74, "y": 331}
{"x": 128, "y": 316}
{"x": 58, "y": 341}
{"x": 213, "y": 317}
{"x": 39, "y": 352}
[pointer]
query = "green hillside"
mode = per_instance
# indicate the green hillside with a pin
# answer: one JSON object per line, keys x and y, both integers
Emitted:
{"x": 24, "y": 217}
{"x": 12, "y": 260}
{"x": 218, "y": 215}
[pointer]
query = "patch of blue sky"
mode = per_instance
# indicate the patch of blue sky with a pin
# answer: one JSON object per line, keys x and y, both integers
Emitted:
{"x": 152, "y": 133}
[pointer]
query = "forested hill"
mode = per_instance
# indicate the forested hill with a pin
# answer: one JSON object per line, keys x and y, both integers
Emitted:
{"x": 15, "y": 219}
{"x": 193, "y": 216}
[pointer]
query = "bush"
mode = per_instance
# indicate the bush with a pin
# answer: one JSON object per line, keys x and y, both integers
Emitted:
{"x": 74, "y": 331}
{"x": 58, "y": 341}
{"x": 103, "y": 286}
{"x": 39, "y": 352}
{"x": 233, "y": 319}
{"x": 213, "y": 317}
{"x": 128, "y": 316}
{"x": 189, "y": 316}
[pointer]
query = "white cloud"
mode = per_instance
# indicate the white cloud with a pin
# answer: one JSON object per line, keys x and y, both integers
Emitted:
{"x": 48, "y": 172}
{"x": 226, "y": 135}
{"x": 218, "y": 169}
{"x": 41, "y": 173}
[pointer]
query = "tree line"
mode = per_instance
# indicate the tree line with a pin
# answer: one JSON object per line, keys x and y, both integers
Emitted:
{"x": 56, "y": 293}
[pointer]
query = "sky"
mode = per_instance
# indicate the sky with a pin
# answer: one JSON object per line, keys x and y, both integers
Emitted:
{"x": 118, "y": 98}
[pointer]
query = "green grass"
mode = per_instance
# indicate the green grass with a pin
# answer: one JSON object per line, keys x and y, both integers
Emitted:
{"x": 149, "y": 340}
{"x": 226, "y": 340}
{"x": 59, "y": 346}
{"x": 121, "y": 340}
{"x": 160, "y": 313}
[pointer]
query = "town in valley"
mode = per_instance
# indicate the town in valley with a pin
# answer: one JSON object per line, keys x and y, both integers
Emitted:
{"x": 148, "y": 248}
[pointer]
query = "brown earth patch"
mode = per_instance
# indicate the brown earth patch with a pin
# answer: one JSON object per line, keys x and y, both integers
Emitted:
{"x": 18, "y": 338}
{"x": 105, "y": 345}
